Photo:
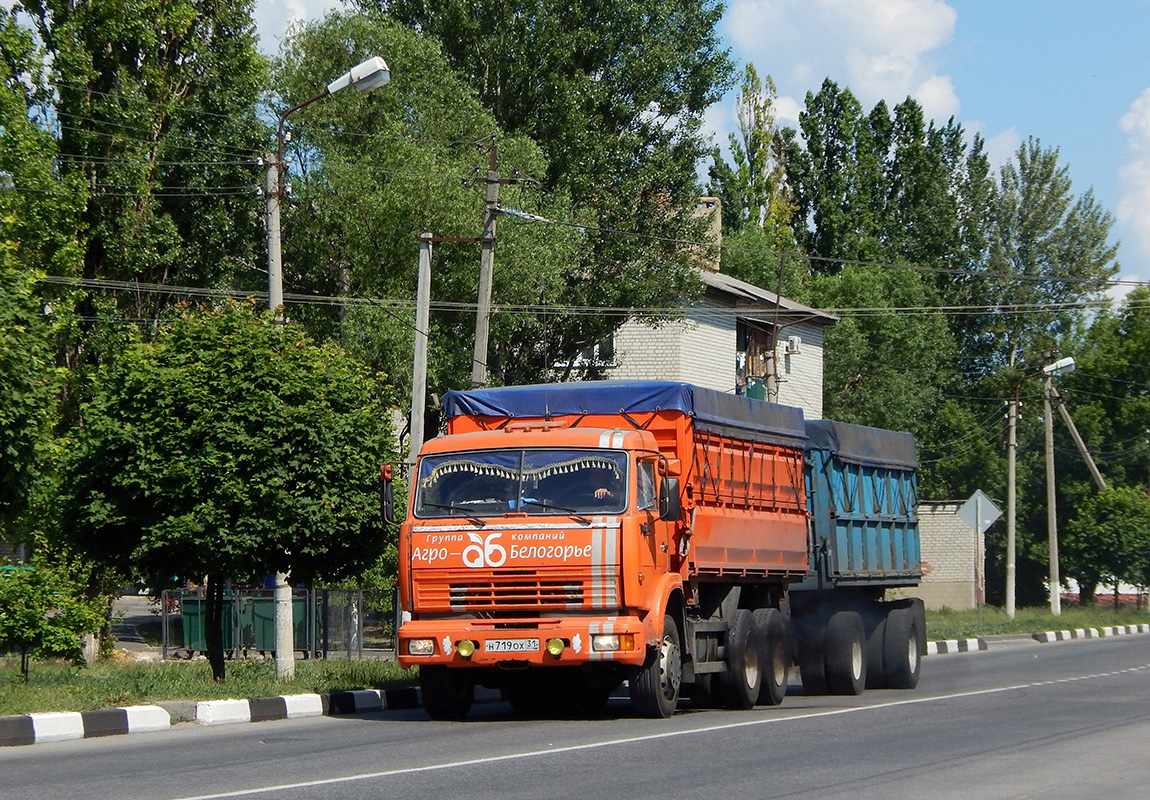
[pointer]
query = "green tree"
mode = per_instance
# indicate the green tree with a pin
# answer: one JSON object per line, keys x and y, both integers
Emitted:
{"x": 43, "y": 613}
{"x": 229, "y": 447}
{"x": 155, "y": 107}
{"x": 1108, "y": 540}
{"x": 29, "y": 387}
{"x": 1055, "y": 248}
{"x": 753, "y": 189}
{"x": 614, "y": 95}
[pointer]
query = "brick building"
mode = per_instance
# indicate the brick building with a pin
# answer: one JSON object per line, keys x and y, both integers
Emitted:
{"x": 734, "y": 340}
{"x": 952, "y": 558}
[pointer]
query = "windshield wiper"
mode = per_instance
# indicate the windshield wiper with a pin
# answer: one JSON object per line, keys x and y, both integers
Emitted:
{"x": 553, "y": 507}
{"x": 453, "y": 508}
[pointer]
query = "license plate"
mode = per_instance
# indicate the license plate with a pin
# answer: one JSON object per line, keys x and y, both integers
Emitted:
{"x": 511, "y": 645}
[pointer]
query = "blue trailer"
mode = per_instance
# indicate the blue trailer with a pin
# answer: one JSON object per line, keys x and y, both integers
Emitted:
{"x": 862, "y": 498}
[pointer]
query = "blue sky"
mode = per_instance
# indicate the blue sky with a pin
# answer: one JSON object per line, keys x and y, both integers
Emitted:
{"x": 1073, "y": 73}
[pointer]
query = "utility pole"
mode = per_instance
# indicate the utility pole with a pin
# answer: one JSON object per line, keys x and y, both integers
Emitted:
{"x": 1011, "y": 498}
{"x": 486, "y": 268}
{"x": 281, "y": 589}
{"x": 419, "y": 365}
{"x": 1051, "y": 511}
{"x": 365, "y": 76}
{"x": 487, "y": 265}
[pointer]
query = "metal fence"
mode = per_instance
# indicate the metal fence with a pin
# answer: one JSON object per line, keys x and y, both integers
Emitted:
{"x": 326, "y": 623}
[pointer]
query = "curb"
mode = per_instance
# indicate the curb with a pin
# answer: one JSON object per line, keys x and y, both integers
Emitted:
{"x": 64, "y": 725}
{"x": 946, "y": 646}
{"x": 1090, "y": 633}
{"x": 60, "y": 726}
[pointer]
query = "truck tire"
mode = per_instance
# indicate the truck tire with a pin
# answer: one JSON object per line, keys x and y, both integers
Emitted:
{"x": 845, "y": 654}
{"x": 447, "y": 693}
{"x": 743, "y": 676}
{"x": 810, "y": 634}
{"x": 875, "y": 648}
{"x": 902, "y": 657}
{"x": 655, "y": 690}
{"x": 771, "y": 633}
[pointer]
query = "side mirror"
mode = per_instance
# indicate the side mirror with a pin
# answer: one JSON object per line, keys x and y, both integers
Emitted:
{"x": 386, "y": 499}
{"x": 670, "y": 505}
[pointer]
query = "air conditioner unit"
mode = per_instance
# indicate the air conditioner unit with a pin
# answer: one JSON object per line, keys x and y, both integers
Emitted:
{"x": 793, "y": 345}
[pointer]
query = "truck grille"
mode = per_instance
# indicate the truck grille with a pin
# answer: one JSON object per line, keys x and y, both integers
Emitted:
{"x": 454, "y": 591}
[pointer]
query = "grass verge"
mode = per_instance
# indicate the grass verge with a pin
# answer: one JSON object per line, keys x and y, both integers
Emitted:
{"x": 108, "y": 684}
{"x": 948, "y": 624}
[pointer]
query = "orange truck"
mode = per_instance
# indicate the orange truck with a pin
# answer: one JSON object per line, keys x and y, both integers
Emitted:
{"x": 564, "y": 538}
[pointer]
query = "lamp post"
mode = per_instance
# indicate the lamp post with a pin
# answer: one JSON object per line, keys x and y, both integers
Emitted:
{"x": 370, "y": 74}
{"x": 1048, "y": 372}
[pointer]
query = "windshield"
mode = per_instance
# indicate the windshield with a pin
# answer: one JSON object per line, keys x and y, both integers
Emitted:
{"x": 494, "y": 482}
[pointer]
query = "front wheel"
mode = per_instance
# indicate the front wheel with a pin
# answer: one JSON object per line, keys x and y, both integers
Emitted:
{"x": 447, "y": 693}
{"x": 655, "y": 690}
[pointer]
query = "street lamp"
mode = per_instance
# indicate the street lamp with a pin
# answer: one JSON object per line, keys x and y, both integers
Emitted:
{"x": 1059, "y": 367}
{"x": 370, "y": 74}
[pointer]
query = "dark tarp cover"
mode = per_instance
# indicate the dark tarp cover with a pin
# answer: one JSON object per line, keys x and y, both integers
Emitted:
{"x": 862, "y": 445}
{"x": 713, "y": 411}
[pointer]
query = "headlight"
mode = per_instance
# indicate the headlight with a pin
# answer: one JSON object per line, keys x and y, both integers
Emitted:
{"x": 610, "y": 642}
{"x": 465, "y": 648}
{"x": 420, "y": 647}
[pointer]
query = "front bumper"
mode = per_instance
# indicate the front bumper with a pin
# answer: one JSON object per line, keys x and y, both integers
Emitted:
{"x": 520, "y": 643}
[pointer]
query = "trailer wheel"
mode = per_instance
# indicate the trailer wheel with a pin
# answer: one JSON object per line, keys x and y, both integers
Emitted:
{"x": 655, "y": 690}
{"x": 876, "y": 677}
{"x": 771, "y": 633}
{"x": 447, "y": 693}
{"x": 846, "y": 654}
{"x": 810, "y": 631}
{"x": 743, "y": 677}
{"x": 901, "y": 656}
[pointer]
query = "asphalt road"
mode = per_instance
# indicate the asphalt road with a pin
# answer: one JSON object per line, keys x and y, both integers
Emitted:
{"x": 1069, "y": 719}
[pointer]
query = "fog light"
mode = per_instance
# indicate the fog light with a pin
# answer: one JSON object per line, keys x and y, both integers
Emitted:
{"x": 420, "y": 647}
{"x": 465, "y": 648}
{"x": 555, "y": 647}
{"x": 610, "y": 642}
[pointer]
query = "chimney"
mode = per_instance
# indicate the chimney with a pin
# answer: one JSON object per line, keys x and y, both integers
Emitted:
{"x": 711, "y": 209}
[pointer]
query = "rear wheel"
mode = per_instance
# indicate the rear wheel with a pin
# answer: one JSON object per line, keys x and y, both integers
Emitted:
{"x": 811, "y": 644}
{"x": 655, "y": 690}
{"x": 447, "y": 693}
{"x": 771, "y": 633}
{"x": 743, "y": 676}
{"x": 901, "y": 655}
{"x": 845, "y": 654}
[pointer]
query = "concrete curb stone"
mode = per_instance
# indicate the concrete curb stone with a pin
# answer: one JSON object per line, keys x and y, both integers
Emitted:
{"x": 26, "y": 729}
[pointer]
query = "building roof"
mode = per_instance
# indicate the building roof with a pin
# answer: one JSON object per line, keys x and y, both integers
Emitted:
{"x": 752, "y": 298}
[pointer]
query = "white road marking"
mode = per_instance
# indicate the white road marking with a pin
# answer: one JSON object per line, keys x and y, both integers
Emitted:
{"x": 651, "y": 737}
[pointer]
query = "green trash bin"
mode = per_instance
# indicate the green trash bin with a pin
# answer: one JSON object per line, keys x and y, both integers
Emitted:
{"x": 259, "y": 618}
{"x": 193, "y": 616}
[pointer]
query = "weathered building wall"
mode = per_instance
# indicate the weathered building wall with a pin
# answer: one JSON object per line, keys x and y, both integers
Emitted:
{"x": 951, "y": 558}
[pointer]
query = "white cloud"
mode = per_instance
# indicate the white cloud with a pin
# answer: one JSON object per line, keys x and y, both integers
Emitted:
{"x": 272, "y": 18}
{"x": 1134, "y": 204}
{"x": 1003, "y": 147}
{"x": 880, "y": 49}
